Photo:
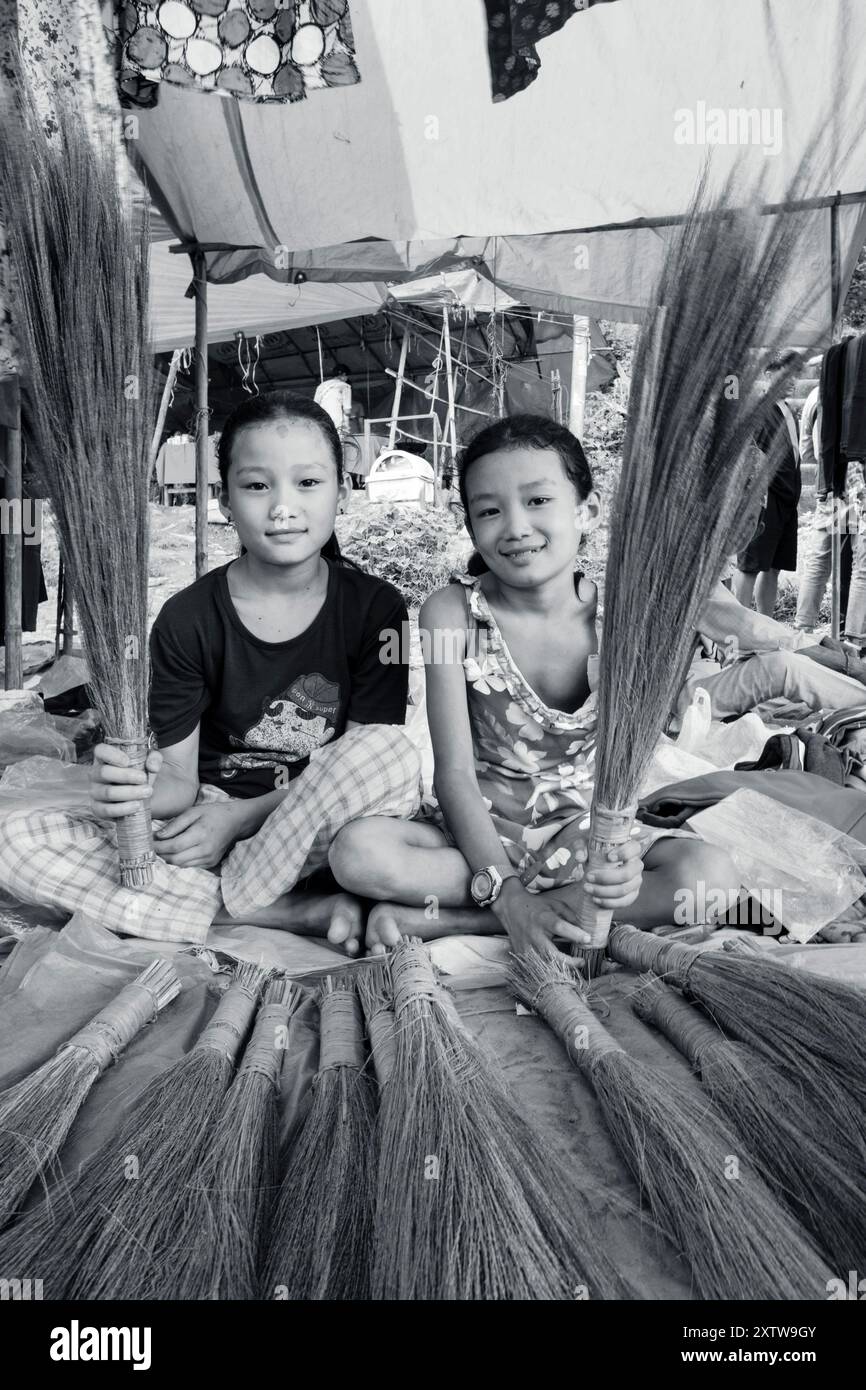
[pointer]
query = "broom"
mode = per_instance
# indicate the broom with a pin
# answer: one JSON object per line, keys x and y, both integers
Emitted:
{"x": 37, "y": 1113}
{"x": 110, "y": 1232}
{"x": 814, "y": 1025}
{"x": 470, "y": 1204}
{"x": 739, "y": 1242}
{"x": 322, "y": 1229}
{"x": 690, "y": 479}
{"x": 81, "y": 262}
{"x": 803, "y": 1161}
{"x": 228, "y": 1211}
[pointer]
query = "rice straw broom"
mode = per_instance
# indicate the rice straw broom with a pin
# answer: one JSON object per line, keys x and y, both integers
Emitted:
{"x": 235, "y": 1186}
{"x": 740, "y": 1243}
{"x": 816, "y": 1026}
{"x": 36, "y": 1114}
{"x": 321, "y": 1236}
{"x": 80, "y": 255}
{"x": 799, "y": 1156}
{"x": 470, "y": 1204}
{"x": 690, "y": 479}
{"x": 110, "y": 1232}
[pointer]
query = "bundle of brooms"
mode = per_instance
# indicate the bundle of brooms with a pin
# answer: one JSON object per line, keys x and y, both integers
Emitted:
{"x": 232, "y": 1193}
{"x": 470, "y": 1204}
{"x": 112, "y": 1231}
{"x": 814, "y": 1028}
{"x": 690, "y": 480}
{"x": 738, "y": 1240}
{"x": 808, "y": 1165}
{"x": 321, "y": 1234}
{"x": 80, "y": 255}
{"x": 36, "y": 1114}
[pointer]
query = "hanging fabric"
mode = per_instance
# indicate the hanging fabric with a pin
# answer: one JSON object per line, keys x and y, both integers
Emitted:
{"x": 258, "y": 50}
{"x": 513, "y": 29}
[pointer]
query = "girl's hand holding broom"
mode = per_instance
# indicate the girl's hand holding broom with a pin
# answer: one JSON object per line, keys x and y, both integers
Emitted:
{"x": 194, "y": 836}
{"x": 533, "y": 920}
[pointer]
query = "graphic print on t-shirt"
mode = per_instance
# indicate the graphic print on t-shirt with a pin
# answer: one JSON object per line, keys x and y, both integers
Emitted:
{"x": 290, "y": 727}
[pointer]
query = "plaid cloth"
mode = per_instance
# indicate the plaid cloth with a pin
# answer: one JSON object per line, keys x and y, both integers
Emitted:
{"x": 374, "y": 770}
{"x": 68, "y": 860}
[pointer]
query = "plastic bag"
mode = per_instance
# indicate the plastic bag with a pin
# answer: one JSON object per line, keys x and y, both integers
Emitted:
{"x": 41, "y": 783}
{"x": 26, "y": 730}
{"x": 803, "y": 872}
{"x": 695, "y": 724}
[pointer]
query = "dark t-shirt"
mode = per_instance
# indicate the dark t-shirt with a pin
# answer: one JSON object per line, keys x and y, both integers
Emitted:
{"x": 774, "y": 439}
{"x": 265, "y": 706}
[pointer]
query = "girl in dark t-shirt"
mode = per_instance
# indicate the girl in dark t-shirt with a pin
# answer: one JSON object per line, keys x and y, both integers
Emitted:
{"x": 259, "y": 671}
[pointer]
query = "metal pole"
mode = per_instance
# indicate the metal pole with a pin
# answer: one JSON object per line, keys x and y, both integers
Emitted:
{"x": 199, "y": 264}
{"x": 579, "y": 365}
{"x": 13, "y": 554}
{"x": 398, "y": 393}
{"x": 838, "y": 512}
{"x": 163, "y": 405}
{"x": 450, "y": 423}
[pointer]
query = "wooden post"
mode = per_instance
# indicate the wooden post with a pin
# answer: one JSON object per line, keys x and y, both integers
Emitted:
{"x": 201, "y": 413}
{"x": 451, "y": 422}
{"x": 13, "y": 553}
{"x": 163, "y": 406}
{"x": 398, "y": 392}
{"x": 579, "y": 365}
{"x": 838, "y": 512}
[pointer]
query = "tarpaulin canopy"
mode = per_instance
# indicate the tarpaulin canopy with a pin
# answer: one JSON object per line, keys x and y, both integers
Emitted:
{"x": 615, "y": 128}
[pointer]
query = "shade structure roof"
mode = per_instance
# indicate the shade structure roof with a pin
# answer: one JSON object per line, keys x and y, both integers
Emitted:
{"x": 414, "y": 169}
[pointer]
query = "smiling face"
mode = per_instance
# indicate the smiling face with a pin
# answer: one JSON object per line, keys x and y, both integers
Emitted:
{"x": 525, "y": 516}
{"x": 283, "y": 491}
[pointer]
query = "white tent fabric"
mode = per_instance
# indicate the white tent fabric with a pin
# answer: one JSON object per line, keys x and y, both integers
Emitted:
{"x": 254, "y": 306}
{"x": 417, "y": 151}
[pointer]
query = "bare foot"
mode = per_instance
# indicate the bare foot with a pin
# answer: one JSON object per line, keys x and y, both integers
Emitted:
{"x": 388, "y": 923}
{"x": 338, "y": 916}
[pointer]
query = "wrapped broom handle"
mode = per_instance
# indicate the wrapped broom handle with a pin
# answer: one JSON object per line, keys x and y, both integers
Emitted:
{"x": 689, "y": 1031}
{"x": 341, "y": 1031}
{"x": 231, "y": 1019}
{"x": 135, "y": 832}
{"x": 382, "y": 1028}
{"x": 137, "y": 1004}
{"x": 608, "y": 829}
{"x": 266, "y": 1048}
{"x": 571, "y": 1018}
{"x": 642, "y": 951}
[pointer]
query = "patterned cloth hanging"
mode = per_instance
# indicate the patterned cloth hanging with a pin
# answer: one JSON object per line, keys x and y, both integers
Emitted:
{"x": 513, "y": 28}
{"x": 261, "y": 50}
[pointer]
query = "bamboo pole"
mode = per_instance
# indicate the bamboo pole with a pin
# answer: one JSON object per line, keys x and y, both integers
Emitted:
{"x": 163, "y": 405}
{"x": 398, "y": 392}
{"x": 579, "y": 365}
{"x": 835, "y": 533}
{"x": 451, "y": 422}
{"x": 201, "y": 413}
{"x": 13, "y": 554}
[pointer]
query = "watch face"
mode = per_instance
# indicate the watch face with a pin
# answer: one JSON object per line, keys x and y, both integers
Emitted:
{"x": 481, "y": 886}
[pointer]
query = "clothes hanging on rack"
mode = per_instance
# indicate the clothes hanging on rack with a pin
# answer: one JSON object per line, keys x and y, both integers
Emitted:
{"x": 832, "y": 467}
{"x": 513, "y": 29}
{"x": 852, "y": 441}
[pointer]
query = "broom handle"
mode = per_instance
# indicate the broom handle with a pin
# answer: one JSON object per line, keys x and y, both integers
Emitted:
{"x": 642, "y": 951}
{"x": 563, "y": 1010}
{"x": 137, "y": 1004}
{"x": 608, "y": 830}
{"x": 689, "y": 1032}
{"x": 134, "y": 832}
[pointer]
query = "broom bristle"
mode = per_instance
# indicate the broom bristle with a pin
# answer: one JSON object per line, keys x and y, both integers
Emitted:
{"x": 786, "y": 1014}
{"x": 81, "y": 310}
{"x": 108, "y": 1233}
{"x": 236, "y": 1183}
{"x": 796, "y": 1151}
{"x": 37, "y": 1113}
{"x": 738, "y": 1241}
{"x": 470, "y": 1203}
{"x": 321, "y": 1235}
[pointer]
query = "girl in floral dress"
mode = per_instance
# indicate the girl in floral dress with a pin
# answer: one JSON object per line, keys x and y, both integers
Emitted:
{"x": 510, "y": 648}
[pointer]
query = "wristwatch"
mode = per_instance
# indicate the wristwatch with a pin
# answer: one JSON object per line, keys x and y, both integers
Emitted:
{"x": 486, "y": 885}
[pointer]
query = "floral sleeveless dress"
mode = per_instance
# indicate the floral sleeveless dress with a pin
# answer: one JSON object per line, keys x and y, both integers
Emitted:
{"x": 534, "y": 764}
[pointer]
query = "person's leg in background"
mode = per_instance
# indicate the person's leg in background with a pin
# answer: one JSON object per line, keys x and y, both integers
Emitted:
{"x": 744, "y": 684}
{"x": 767, "y": 592}
{"x": 743, "y": 586}
{"x": 816, "y": 569}
{"x": 855, "y": 613}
